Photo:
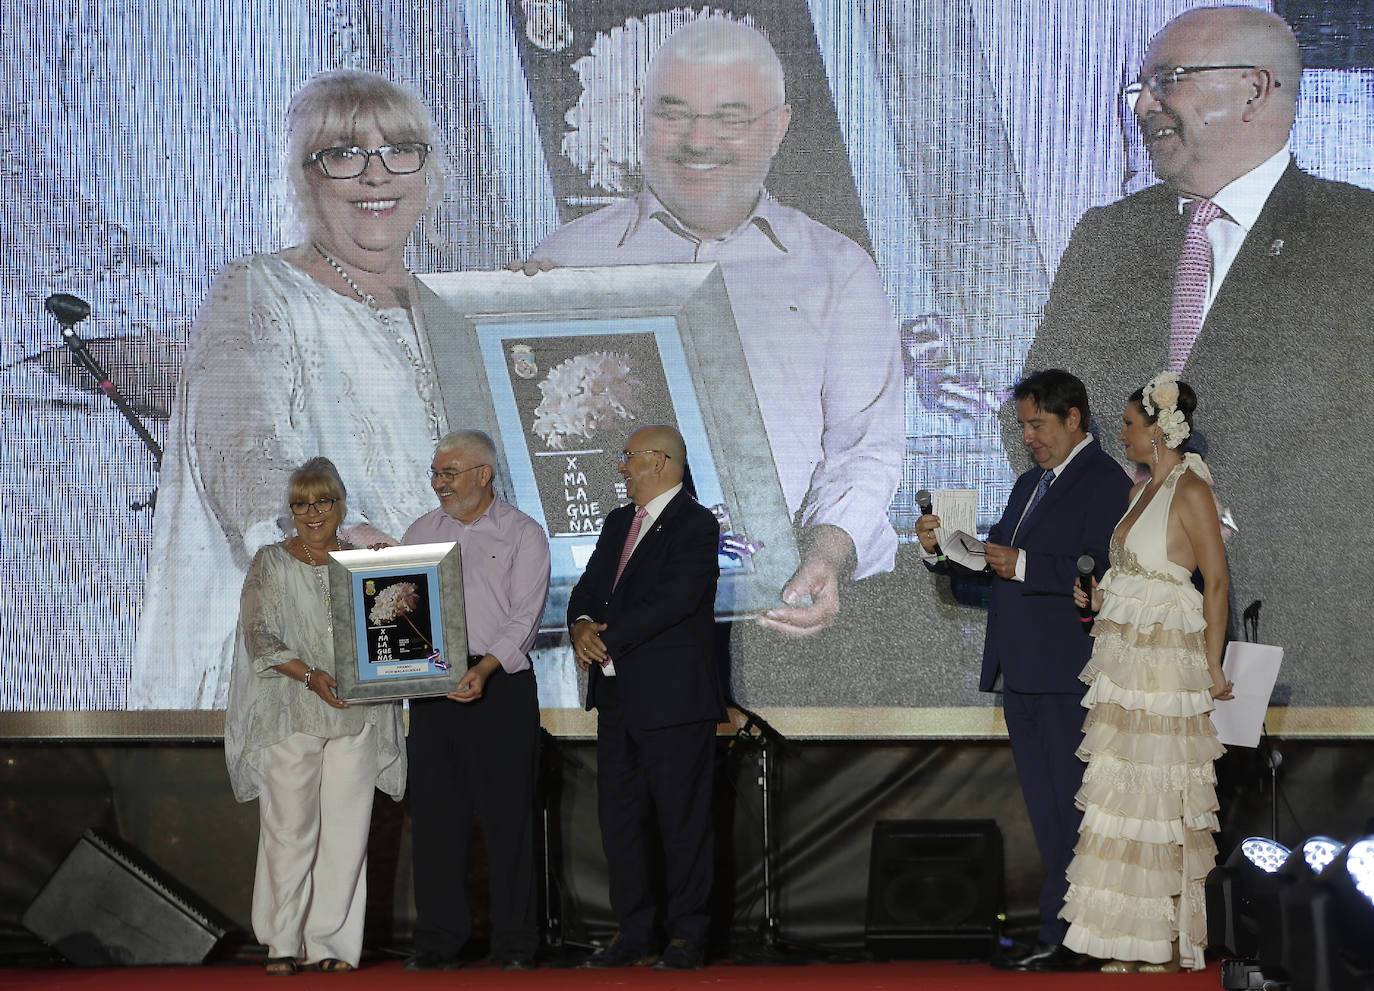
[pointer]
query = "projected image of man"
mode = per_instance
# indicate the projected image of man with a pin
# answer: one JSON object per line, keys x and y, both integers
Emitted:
{"x": 816, "y": 327}
{"x": 1265, "y": 325}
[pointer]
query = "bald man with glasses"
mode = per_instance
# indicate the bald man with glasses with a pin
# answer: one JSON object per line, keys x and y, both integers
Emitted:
{"x": 643, "y": 627}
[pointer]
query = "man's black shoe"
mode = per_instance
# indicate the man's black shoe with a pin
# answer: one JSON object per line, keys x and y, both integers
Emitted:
{"x": 1046, "y": 957}
{"x": 621, "y": 953}
{"x": 424, "y": 960}
{"x": 680, "y": 954}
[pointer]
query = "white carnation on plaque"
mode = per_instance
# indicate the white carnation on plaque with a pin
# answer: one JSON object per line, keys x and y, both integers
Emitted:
{"x": 584, "y": 392}
{"x": 393, "y": 602}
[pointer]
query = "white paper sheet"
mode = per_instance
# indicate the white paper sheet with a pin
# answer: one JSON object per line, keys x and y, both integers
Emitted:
{"x": 957, "y": 509}
{"x": 966, "y": 549}
{"x": 1253, "y": 668}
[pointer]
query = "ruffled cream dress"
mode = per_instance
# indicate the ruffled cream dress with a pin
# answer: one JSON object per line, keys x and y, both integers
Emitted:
{"x": 1149, "y": 791}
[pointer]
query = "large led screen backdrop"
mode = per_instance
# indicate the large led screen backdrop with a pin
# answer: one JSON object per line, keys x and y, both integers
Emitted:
{"x": 955, "y": 143}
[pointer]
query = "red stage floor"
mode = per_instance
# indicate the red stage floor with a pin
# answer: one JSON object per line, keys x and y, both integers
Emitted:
{"x": 932, "y": 976}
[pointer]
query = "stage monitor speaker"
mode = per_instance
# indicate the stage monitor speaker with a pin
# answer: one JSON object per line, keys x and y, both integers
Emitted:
{"x": 108, "y": 905}
{"x": 935, "y": 889}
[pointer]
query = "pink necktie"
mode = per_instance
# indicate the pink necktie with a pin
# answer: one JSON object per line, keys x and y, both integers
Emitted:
{"x": 629, "y": 547}
{"x": 1190, "y": 284}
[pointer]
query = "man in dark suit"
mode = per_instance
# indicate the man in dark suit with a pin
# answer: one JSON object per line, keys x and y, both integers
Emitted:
{"x": 642, "y": 623}
{"x": 1034, "y": 646}
{"x": 1281, "y": 361}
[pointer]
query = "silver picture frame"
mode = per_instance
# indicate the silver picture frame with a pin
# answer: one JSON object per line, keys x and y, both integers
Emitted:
{"x": 400, "y": 627}
{"x": 508, "y": 349}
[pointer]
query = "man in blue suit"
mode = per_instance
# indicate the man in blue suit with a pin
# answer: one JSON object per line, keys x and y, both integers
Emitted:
{"x": 643, "y": 627}
{"x": 1034, "y": 647}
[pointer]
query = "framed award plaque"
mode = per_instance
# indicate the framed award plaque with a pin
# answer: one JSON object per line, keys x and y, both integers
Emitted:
{"x": 400, "y": 630}
{"x": 561, "y": 367}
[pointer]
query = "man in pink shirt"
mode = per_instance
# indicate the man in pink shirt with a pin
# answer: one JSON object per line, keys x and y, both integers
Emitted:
{"x": 479, "y": 756}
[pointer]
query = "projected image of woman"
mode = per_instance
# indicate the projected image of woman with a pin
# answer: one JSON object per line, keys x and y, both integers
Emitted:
{"x": 309, "y": 758}
{"x": 320, "y": 347}
{"x": 1149, "y": 802}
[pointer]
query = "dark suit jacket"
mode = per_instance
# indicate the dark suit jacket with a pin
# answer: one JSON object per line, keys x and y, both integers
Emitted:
{"x": 1282, "y": 369}
{"x": 1034, "y": 637}
{"x": 660, "y": 618}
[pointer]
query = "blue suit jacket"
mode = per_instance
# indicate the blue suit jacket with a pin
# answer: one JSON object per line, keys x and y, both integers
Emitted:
{"x": 1034, "y": 637}
{"x": 660, "y": 617}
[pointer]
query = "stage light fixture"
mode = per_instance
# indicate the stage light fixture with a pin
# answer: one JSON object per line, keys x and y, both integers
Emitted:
{"x": 1331, "y": 915}
{"x": 1319, "y": 851}
{"x": 1267, "y": 855}
{"x": 1277, "y": 932}
{"x": 1359, "y": 863}
{"x": 1231, "y": 892}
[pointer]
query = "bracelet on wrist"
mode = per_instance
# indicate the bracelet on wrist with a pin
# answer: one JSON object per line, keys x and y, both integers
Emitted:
{"x": 306, "y": 681}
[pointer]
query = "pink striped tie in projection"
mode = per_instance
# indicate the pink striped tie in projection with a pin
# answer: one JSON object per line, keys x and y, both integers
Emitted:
{"x": 1190, "y": 284}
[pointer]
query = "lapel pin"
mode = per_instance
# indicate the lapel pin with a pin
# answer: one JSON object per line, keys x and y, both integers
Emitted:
{"x": 1275, "y": 247}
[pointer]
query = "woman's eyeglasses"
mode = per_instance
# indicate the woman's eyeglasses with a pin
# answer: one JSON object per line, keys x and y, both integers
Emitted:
{"x": 320, "y": 506}
{"x": 342, "y": 162}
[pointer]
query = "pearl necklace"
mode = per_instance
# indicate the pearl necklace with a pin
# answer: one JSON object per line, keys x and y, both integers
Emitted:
{"x": 424, "y": 385}
{"x": 324, "y": 584}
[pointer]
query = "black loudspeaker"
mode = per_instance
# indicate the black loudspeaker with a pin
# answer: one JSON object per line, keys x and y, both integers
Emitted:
{"x": 108, "y": 905}
{"x": 935, "y": 889}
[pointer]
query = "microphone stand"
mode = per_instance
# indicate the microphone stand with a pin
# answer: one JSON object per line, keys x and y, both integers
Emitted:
{"x": 554, "y": 925}
{"x": 1273, "y": 759}
{"x": 764, "y": 738}
{"x": 68, "y": 310}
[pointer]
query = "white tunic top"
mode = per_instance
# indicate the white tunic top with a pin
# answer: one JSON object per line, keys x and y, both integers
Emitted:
{"x": 280, "y": 369}
{"x": 282, "y": 617}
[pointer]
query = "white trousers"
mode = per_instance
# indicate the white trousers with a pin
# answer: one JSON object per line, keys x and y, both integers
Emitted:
{"x": 310, "y": 888}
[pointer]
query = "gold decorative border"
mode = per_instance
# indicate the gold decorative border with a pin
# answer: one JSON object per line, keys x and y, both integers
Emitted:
{"x": 801, "y": 723}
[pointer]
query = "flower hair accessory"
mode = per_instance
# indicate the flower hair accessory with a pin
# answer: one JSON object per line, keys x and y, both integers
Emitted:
{"x": 1160, "y": 399}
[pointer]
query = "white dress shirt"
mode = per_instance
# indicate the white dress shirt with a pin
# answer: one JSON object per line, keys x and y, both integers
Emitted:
{"x": 1241, "y": 203}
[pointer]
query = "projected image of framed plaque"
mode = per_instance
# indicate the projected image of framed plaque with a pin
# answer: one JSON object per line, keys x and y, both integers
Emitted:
{"x": 400, "y": 630}
{"x": 573, "y": 361}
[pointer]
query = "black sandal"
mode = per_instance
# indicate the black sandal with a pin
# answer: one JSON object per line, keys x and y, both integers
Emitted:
{"x": 333, "y": 965}
{"x": 281, "y": 966}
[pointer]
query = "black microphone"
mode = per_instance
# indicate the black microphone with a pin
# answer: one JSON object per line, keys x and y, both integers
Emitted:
{"x": 924, "y": 505}
{"x": 1086, "y": 565}
{"x": 71, "y": 310}
{"x": 68, "y": 309}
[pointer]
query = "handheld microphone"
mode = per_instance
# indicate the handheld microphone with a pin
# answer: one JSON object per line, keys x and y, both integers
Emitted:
{"x": 68, "y": 309}
{"x": 924, "y": 505}
{"x": 1086, "y": 565}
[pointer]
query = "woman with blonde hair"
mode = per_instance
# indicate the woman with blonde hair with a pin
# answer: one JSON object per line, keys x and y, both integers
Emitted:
{"x": 308, "y": 757}
{"x": 319, "y": 347}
